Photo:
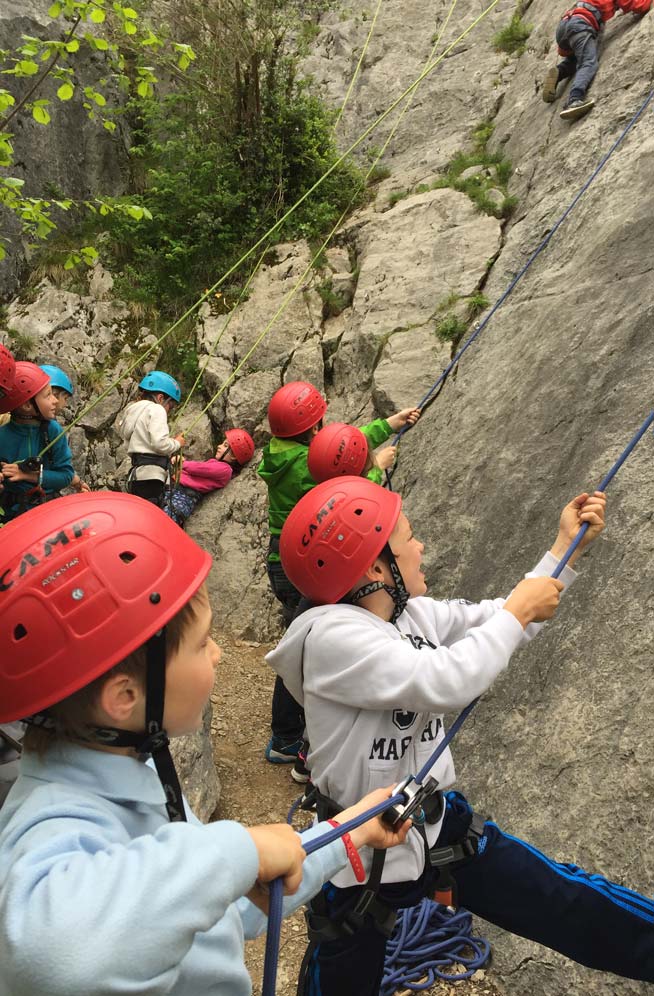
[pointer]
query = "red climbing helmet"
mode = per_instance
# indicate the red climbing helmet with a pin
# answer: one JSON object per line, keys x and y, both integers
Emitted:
{"x": 294, "y": 408}
{"x": 241, "y": 444}
{"x": 336, "y": 451}
{"x": 334, "y": 534}
{"x": 29, "y": 380}
{"x": 7, "y": 371}
{"x": 84, "y": 581}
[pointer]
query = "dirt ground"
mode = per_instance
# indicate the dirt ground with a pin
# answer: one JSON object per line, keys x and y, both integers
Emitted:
{"x": 254, "y": 791}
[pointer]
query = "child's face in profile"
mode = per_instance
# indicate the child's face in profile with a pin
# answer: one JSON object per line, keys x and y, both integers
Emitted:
{"x": 222, "y": 450}
{"x": 190, "y": 673}
{"x": 45, "y": 401}
{"x": 62, "y": 398}
{"x": 408, "y": 553}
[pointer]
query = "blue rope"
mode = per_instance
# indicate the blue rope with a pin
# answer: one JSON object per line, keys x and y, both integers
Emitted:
{"x": 448, "y": 369}
{"x": 429, "y": 939}
{"x": 276, "y": 887}
{"x": 293, "y": 810}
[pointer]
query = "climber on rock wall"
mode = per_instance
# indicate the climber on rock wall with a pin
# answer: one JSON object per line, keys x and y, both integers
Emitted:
{"x": 577, "y": 36}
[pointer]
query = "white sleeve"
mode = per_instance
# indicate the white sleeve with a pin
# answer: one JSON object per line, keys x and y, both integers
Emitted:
{"x": 318, "y": 868}
{"x": 453, "y": 619}
{"x": 164, "y": 887}
{"x": 359, "y": 664}
{"x": 161, "y": 441}
{"x": 378, "y": 672}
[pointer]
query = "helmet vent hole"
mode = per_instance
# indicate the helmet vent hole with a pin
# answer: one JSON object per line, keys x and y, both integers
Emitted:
{"x": 358, "y": 511}
{"x": 321, "y": 563}
{"x": 19, "y": 632}
{"x": 378, "y": 529}
{"x": 127, "y": 556}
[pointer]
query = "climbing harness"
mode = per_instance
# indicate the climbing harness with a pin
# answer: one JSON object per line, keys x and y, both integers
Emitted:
{"x": 275, "y": 228}
{"x": 399, "y": 797}
{"x": 425, "y": 400}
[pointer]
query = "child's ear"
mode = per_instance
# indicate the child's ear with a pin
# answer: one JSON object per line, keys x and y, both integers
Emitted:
{"x": 375, "y": 572}
{"x": 120, "y": 697}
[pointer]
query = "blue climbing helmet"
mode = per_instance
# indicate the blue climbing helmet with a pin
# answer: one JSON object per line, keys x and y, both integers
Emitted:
{"x": 58, "y": 378}
{"x": 157, "y": 381}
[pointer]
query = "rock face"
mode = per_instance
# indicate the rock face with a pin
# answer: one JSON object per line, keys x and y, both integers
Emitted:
{"x": 559, "y": 751}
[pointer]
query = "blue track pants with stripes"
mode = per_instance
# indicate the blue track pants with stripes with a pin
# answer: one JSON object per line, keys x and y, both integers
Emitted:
{"x": 509, "y": 883}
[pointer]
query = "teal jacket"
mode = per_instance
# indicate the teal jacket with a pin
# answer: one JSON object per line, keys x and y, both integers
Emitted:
{"x": 286, "y": 473}
{"x": 19, "y": 442}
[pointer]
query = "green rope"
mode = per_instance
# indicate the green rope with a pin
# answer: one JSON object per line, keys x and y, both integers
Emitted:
{"x": 289, "y": 297}
{"x": 212, "y": 352}
{"x": 278, "y": 224}
{"x": 358, "y": 65}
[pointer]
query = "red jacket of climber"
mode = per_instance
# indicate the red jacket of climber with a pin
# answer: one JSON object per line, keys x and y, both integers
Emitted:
{"x": 606, "y": 9}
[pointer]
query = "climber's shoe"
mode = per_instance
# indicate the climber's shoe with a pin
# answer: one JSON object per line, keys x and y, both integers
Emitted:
{"x": 575, "y": 109}
{"x": 550, "y": 84}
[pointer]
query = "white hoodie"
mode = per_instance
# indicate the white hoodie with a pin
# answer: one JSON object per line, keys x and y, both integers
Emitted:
{"x": 144, "y": 427}
{"x": 374, "y": 694}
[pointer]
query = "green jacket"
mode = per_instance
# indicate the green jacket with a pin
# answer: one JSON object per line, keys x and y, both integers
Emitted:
{"x": 285, "y": 471}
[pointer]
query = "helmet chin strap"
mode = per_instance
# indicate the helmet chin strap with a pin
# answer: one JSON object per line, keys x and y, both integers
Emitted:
{"x": 155, "y": 740}
{"x": 30, "y": 418}
{"x": 399, "y": 594}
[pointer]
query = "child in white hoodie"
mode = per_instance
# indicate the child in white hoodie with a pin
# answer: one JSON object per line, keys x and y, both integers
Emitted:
{"x": 144, "y": 427}
{"x": 375, "y": 674}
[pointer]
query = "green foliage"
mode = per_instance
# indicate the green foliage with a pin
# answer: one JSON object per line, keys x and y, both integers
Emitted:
{"x": 216, "y": 176}
{"x": 377, "y": 174}
{"x": 513, "y": 38}
{"x": 398, "y": 195}
{"x": 451, "y": 328}
{"x": 22, "y": 345}
{"x": 448, "y": 302}
{"x": 333, "y": 303}
{"x": 91, "y": 381}
{"x": 179, "y": 354}
{"x": 124, "y": 45}
{"x": 495, "y": 174}
{"x": 475, "y": 304}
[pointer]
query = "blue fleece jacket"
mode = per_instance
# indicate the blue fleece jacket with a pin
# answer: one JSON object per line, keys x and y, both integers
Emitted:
{"x": 101, "y": 895}
{"x": 19, "y": 442}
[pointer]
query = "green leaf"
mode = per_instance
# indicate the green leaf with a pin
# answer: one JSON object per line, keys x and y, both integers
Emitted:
{"x": 130, "y": 13}
{"x": 183, "y": 62}
{"x": 72, "y": 46}
{"x": 130, "y": 28}
{"x": 71, "y": 261}
{"x": 65, "y": 91}
{"x": 2, "y": 251}
{"x": 144, "y": 89}
{"x": 101, "y": 44}
{"x": 27, "y": 67}
{"x": 99, "y": 99}
{"x": 12, "y": 181}
{"x": 104, "y": 210}
{"x": 135, "y": 212}
{"x": 89, "y": 254}
{"x": 6, "y": 100}
{"x": 109, "y": 125}
{"x": 41, "y": 115}
{"x": 97, "y": 15}
{"x": 56, "y": 9}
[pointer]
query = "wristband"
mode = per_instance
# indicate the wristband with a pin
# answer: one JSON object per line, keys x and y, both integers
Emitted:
{"x": 352, "y": 854}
